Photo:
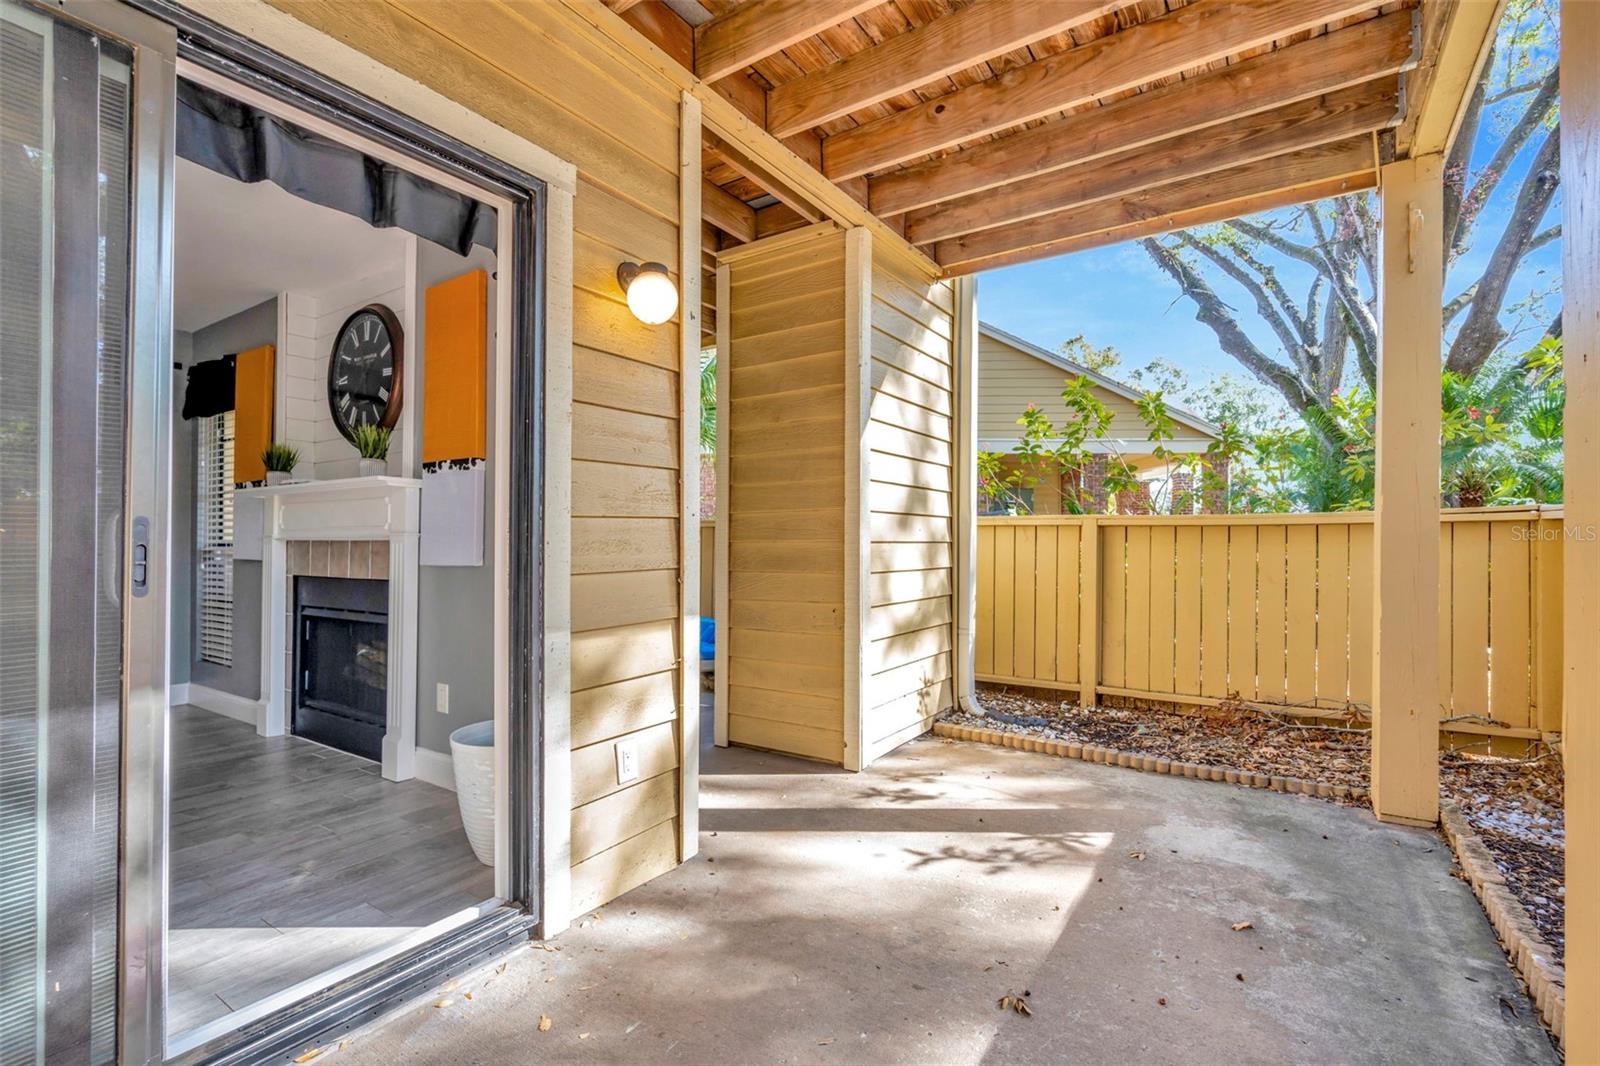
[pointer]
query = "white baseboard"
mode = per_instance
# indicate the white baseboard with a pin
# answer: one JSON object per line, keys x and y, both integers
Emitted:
{"x": 218, "y": 702}
{"x": 178, "y": 695}
{"x": 436, "y": 768}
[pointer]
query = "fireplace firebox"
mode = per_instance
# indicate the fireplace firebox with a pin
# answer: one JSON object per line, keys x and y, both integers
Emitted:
{"x": 341, "y": 663}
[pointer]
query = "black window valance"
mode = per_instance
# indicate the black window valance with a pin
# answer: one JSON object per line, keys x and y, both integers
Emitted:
{"x": 249, "y": 145}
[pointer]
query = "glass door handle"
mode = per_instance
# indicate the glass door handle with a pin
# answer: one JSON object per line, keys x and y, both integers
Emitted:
{"x": 141, "y": 556}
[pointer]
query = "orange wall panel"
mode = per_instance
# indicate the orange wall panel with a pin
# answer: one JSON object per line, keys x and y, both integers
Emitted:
{"x": 455, "y": 369}
{"x": 253, "y": 381}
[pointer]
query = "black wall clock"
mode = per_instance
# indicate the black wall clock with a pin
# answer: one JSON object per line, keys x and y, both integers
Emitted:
{"x": 364, "y": 371}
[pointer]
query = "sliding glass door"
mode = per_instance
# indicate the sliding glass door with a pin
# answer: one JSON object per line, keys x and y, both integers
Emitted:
{"x": 76, "y": 537}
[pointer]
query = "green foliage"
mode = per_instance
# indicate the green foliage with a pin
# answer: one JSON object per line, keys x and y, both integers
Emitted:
{"x": 280, "y": 458}
{"x": 1086, "y": 355}
{"x": 1500, "y": 445}
{"x": 708, "y": 402}
{"x": 372, "y": 442}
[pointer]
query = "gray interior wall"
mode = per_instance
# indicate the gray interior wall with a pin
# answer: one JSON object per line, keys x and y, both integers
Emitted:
{"x": 250, "y": 328}
{"x": 455, "y": 620}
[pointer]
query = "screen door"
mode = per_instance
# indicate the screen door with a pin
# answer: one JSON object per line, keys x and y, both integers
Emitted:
{"x": 75, "y": 546}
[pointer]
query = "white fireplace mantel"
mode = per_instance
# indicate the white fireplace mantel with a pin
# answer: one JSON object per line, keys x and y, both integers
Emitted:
{"x": 360, "y": 508}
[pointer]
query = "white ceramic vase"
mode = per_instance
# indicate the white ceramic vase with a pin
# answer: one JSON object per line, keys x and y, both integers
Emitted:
{"x": 472, "y": 754}
{"x": 374, "y": 467}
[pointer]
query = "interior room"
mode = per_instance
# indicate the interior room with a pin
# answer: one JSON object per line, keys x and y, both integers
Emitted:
{"x": 335, "y": 775}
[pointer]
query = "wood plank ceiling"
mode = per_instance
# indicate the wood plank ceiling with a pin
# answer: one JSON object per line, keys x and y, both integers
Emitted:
{"x": 992, "y": 132}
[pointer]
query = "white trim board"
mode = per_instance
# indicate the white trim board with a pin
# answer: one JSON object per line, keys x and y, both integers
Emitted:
{"x": 435, "y": 768}
{"x": 239, "y": 708}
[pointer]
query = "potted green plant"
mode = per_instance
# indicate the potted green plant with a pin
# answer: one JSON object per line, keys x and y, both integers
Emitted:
{"x": 280, "y": 460}
{"x": 372, "y": 443}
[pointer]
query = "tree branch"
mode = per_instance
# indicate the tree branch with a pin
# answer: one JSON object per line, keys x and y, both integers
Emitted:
{"x": 1493, "y": 172}
{"x": 1212, "y": 312}
{"x": 1258, "y": 292}
{"x": 1459, "y": 159}
{"x": 1482, "y": 332}
{"x": 1359, "y": 317}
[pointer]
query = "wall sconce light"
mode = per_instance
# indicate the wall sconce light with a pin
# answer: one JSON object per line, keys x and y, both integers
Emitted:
{"x": 652, "y": 297}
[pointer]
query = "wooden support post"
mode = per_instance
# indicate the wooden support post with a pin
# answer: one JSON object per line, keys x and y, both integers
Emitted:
{"x": 689, "y": 606}
{"x": 1580, "y": 218}
{"x": 719, "y": 719}
{"x": 1088, "y": 612}
{"x": 1405, "y": 733}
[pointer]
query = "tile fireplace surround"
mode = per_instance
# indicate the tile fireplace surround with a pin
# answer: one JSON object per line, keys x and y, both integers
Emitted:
{"x": 363, "y": 527}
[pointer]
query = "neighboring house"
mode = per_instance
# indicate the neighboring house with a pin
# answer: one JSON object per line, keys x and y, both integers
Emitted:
{"x": 1012, "y": 373}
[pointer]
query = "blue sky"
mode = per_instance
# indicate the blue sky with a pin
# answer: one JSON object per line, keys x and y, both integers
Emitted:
{"x": 1116, "y": 295}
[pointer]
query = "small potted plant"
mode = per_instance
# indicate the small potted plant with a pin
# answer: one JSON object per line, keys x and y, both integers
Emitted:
{"x": 280, "y": 460}
{"x": 372, "y": 442}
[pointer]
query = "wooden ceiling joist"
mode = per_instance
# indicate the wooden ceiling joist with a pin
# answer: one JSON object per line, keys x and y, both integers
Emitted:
{"x": 758, "y": 28}
{"x": 1368, "y": 50}
{"x": 1311, "y": 173}
{"x": 932, "y": 51}
{"x": 1192, "y": 36}
{"x": 1332, "y": 117}
{"x": 728, "y": 213}
{"x": 761, "y": 175}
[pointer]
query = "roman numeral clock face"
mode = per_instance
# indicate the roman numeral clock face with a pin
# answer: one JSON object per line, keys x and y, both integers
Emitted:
{"x": 364, "y": 371}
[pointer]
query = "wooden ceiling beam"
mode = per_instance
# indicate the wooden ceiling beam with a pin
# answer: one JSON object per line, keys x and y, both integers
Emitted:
{"x": 758, "y": 28}
{"x": 1367, "y": 50}
{"x": 1311, "y": 173}
{"x": 727, "y": 212}
{"x": 1332, "y": 117}
{"x": 763, "y": 176}
{"x": 1456, "y": 39}
{"x": 1250, "y": 205}
{"x": 932, "y": 51}
{"x": 776, "y": 219}
{"x": 1192, "y": 36}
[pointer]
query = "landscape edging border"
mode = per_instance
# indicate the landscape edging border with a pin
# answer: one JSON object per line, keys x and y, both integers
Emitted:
{"x": 1532, "y": 958}
{"x": 1160, "y": 764}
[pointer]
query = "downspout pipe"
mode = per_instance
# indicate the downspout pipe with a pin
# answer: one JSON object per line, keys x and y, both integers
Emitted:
{"x": 966, "y": 530}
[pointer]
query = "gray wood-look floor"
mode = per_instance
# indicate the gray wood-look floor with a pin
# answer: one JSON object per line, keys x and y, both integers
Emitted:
{"x": 288, "y": 858}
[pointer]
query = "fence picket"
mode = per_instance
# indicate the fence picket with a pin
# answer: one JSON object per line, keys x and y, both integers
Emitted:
{"x": 1275, "y": 608}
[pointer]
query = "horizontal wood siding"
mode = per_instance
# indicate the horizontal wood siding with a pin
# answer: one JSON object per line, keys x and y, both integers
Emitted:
{"x": 785, "y": 496}
{"x": 533, "y": 69}
{"x": 910, "y": 496}
{"x": 1009, "y": 380}
{"x": 1275, "y": 610}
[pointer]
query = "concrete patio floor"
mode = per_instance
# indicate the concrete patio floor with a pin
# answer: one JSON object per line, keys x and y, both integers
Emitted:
{"x": 877, "y": 918}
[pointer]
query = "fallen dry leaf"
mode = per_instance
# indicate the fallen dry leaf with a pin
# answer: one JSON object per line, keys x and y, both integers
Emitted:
{"x": 583, "y": 1036}
{"x": 1162, "y": 1001}
{"x": 824, "y": 1043}
{"x": 309, "y": 1055}
{"x": 545, "y": 1023}
{"x": 1239, "y": 927}
{"x": 1138, "y": 855}
{"x": 442, "y": 1003}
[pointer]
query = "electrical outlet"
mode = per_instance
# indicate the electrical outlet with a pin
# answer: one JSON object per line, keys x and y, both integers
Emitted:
{"x": 627, "y": 761}
{"x": 441, "y": 698}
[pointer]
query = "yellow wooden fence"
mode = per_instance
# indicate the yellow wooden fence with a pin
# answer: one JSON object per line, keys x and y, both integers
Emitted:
{"x": 1271, "y": 609}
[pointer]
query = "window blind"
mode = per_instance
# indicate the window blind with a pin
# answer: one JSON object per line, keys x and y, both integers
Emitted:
{"x": 214, "y": 537}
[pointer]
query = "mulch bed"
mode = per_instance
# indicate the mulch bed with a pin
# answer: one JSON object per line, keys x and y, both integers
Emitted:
{"x": 1514, "y": 805}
